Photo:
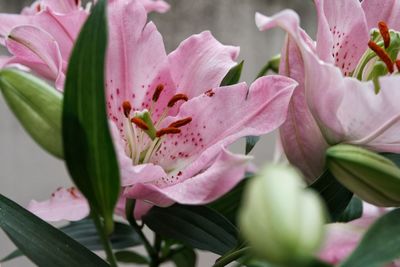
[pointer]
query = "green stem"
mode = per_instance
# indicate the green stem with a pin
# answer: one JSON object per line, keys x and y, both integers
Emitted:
{"x": 129, "y": 209}
{"x": 231, "y": 257}
{"x": 104, "y": 239}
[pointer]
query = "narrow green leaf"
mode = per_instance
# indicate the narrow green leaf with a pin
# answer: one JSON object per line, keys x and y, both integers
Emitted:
{"x": 36, "y": 105}
{"x": 41, "y": 242}
{"x": 88, "y": 147}
{"x": 335, "y": 195}
{"x": 251, "y": 142}
{"x": 229, "y": 204}
{"x": 233, "y": 75}
{"x": 185, "y": 258}
{"x": 131, "y": 257}
{"x": 380, "y": 245}
{"x": 196, "y": 226}
{"x": 353, "y": 211}
{"x": 85, "y": 233}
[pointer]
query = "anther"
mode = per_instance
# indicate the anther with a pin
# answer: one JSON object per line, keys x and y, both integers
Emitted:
{"x": 384, "y": 30}
{"x": 180, "y": 123}
{"x": 177, "y": 98}
{"x": 168, "y": 130}
{"x": 398, "y": 65}
{"x": 157, "y": 92}
{"x": 140, "y": 123}
{"x": 126, "y": 106}
{"x": 381, "y": 53}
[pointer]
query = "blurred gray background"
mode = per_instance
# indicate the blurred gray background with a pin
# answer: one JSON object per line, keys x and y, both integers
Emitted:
{"x": 26, "y": 172}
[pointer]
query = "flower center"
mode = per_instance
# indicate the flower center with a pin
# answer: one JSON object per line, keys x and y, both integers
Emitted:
{"x": 142, "y": 134}
{"x": 381, "y": 57}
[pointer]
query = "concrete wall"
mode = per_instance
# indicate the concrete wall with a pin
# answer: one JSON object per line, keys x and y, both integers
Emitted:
{"x": 26, "y": 172}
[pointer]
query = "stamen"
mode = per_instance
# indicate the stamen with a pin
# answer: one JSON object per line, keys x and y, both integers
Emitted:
{"x": 398, "y": 64}
{"x": 177, "y": 98}
{"x": 38, "y": 8}
{"x": 157, "y": 92}
{"x": 168, "y": 130}
{"x": 382, "y": 55}
{"x": 77, "y": 2}
{"x": 180, "y": 123}
{"x": 140, "y": 123}
{"x": 126, "y": 106}
{"x": 384, "y": 30}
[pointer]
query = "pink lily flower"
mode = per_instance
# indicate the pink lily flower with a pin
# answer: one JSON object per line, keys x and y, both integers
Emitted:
{"x": 342, "y": 238}
{"x": 42, "y": 36}
{"x": 171, "y": 121}
{"x": 348, "y": 83}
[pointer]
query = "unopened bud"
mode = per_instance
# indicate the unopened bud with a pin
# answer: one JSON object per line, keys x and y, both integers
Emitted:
{"x": 369, "y": 175}
{"x": 282, "y": 220}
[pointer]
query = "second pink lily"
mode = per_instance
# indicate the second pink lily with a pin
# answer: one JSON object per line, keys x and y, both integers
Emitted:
{"x": 348, "y": 82}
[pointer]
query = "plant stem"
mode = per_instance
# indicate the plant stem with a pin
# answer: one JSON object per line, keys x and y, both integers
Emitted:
{"x": 104, "y": 239}
{"x": 231, "y": 257}
{"x": 153, "y": 254}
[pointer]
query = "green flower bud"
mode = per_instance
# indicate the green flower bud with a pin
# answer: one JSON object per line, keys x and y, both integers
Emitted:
{"x": 283, "y": 221}
{"x": 37, "y": 106}
{"x": 371, "y": 176}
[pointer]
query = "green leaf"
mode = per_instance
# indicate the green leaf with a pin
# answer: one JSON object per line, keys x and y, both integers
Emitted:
{"x": 15, "y": 254}
{"x": 272, "y": 64}
{"x": 229, "y": 204}
{"x": 353, "y": 211}
{"x": 380, "y": 245}
{"x": 196, "y": 226}
{"x": 335, "y": 195}
{"x": 131, "y": 257}
{"x": 185, "y": 258}
{"x": 251, "y": 142}
{"x": 36, "y": 105}
{"x": 85, "y": 233}
{"x": 233, "y": 75}
{"x": 88, "y": 147}
{"x": 41, "y": 242}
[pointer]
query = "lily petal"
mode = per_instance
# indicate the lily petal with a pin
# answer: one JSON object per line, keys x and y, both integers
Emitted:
{"x": 159, "y": 6}
{"x": 136, "y": 60}
{"x": 64, "y": 6}
{"x": 200, "y": 63}
{"x": 301, "y": 137}
{"x": 348, "y": 34}
{"x": 32, "y": 46}
{"x": 65, "y": 204}
{"x": 227, "y": 170}
{"x": 369, "y": 119}
{"x": 387, "y": 11}
{"x": 8, "y": 22}
{"x": 255, "y": 111}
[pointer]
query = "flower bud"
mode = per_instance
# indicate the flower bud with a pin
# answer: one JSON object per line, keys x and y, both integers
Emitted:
{"x": 36, "y": 105}
{"x": 282, "y": 220}
{"x": 369, "y": 175}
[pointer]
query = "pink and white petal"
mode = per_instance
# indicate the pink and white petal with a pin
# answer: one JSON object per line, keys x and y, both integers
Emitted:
{"x": 64, "y": 28}
{"x": 8, "y": 22}
{"x": 378, "y": 10}
{"x": 348, "y": 32}
{"x": 63, "y": 7}
{"x": 159, "y": 6}
{"x": 226, "y": 171}
{"x": 32, "y": 45}
{"x": 136, "y": 59}
{"x": 200, "y": 63}
{"x": 325, "y": 103}
{"x": 64, "y": 204}
{"x": 220, "y": 117}
{"x": 369, "y": 119}
{"x": 301, "y": 138}
{"x": 132, "y": 174}
{"x": 340, "y": 240}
